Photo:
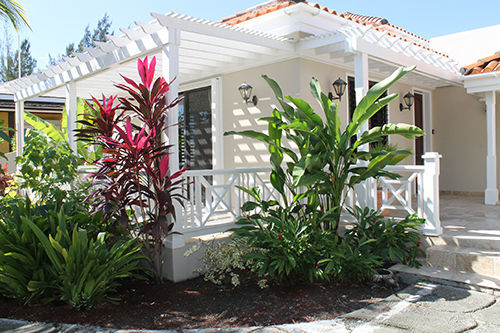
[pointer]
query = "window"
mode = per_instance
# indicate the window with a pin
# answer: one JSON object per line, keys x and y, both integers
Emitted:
{"x": 195, "y": 129}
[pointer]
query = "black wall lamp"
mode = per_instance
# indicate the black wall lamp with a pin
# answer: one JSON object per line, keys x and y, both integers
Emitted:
{"x": 408, "y": 99}
{"x": 339, "y": 89}
{"x": 246, "y": 92}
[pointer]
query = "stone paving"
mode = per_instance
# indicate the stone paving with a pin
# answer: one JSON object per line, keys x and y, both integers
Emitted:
{"x": 423, "y": 307}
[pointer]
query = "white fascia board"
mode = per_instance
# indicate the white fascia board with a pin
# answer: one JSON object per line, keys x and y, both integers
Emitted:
{"x": 223, "y": 31}
{"x": 321, "y": 41}
{"x": 388, "y": 55}
{"x": 477, "y": 83}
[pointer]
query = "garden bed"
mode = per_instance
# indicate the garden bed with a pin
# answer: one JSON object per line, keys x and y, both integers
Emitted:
{"x": 198, "y": 304}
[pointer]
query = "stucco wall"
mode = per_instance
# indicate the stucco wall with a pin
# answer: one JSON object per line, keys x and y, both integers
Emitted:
{"x": 241, "y": 152}
{"x": 460, "y": 124}
{"x": 294, "y": 77}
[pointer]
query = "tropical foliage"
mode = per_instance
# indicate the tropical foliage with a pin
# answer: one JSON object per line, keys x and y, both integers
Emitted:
{"x": 50, "y": 253}
{"x": 297, "y": 237}
{"x": 13, "y": 11}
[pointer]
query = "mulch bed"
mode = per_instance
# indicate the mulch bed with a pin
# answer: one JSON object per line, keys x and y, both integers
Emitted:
{"x": 199, "y": 304}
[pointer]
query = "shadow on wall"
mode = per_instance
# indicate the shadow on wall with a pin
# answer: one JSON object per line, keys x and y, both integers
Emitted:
{"x": 247, "y": 152}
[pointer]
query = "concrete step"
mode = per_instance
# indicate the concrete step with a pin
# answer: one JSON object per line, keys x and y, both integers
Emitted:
{"x": 479, "y": 241}
{"x": 466, "y": 259}
{"x": 467, "y": 280}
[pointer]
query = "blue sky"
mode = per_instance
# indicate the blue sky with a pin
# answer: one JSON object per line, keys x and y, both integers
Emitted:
{"x": 56, "y": 23}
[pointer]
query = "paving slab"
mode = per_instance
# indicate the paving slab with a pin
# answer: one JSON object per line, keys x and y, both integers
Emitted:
{"x": 489, "y": 315}
{"x": 450, "y": 299}
{"x": 417, "y": 318}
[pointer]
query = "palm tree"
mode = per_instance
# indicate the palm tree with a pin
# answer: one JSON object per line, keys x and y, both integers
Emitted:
{"x": 14, "y": 12}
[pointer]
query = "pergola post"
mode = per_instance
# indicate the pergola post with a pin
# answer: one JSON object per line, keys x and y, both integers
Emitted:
{"x": 19, "y": 109}
{"x": 365, "y": 193}
{"x": 491, "y": 192}
{"x": 71, "y": 112}
{"x": 170, "y": 71}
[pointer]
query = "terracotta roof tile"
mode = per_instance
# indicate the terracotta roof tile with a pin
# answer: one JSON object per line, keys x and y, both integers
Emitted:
{"x": 484, "y": 65}
{"x": 378, "y": 23}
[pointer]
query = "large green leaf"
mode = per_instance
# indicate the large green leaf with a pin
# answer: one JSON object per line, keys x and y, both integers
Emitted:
{"x": 253, "y": 135}
{"x": 405, "y": 130}
{"x": 278, "y": 93}
{"x": 48, "y": 128}
{"x": 373, "y": 95}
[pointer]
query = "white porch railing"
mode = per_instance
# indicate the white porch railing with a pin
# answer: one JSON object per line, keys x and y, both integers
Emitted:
{"x": 213, "y": 201}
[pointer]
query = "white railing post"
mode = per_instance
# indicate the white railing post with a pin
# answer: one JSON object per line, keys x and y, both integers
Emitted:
{"x": 430, "y": 194}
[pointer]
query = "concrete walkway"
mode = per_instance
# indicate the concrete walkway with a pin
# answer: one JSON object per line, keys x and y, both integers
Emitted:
{"x": 423, "y": 307}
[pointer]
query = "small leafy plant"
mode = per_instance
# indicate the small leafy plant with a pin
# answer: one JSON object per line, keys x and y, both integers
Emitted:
{"x": 392, "y": 239}
{"x": 49, "y": 168}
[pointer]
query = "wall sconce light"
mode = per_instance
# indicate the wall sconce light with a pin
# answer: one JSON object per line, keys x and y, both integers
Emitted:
{"x": 339, "y": 89}
{"x": 246, "y": 91}
{"x": 408, "y": 99}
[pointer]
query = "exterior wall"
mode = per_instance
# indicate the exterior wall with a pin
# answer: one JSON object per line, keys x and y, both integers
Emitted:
{"x": 294, "y": 77}
{"x": 460, "y": 123}
{"x": 242, "y": 152}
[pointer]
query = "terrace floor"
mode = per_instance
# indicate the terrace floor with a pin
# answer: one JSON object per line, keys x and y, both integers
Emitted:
{"x": 468, "y": 216}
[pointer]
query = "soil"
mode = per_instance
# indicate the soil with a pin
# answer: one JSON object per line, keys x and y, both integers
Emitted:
{"x": 199, "y": 304}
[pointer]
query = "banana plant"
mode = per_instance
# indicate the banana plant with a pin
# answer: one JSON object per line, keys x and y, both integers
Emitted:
{"x": 61, "y": 135}
{"x": 4, "y": 136}
{"x": 325, "y": 162}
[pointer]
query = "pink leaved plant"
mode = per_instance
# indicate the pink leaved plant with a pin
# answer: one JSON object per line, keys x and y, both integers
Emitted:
{"x": 136, "y": 190}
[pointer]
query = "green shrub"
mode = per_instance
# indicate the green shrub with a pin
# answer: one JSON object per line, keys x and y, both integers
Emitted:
{"x": 351, "y": 262}
{"x": 393, "y": 239}
{"x": 88, "y": 269}
{"x": 48, "y": 169}
{"x": 285, "y": 246}
{"x": 46, "y": 256}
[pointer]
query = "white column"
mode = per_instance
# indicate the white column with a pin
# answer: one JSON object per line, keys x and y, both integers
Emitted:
{"x": 19, "y": 109}
{"x": 361, "y": 85}
{"x": 217, "y": 129}
{"x": 71, "y": 112}
{"x": 364, "y": 192}
{"x": 430, "y": 189}
{"x": 170, "y": 71}
{"x": 491, "y": 192}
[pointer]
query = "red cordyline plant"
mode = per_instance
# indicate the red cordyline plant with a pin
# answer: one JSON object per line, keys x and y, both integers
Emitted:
{"x": 135, "y": 189}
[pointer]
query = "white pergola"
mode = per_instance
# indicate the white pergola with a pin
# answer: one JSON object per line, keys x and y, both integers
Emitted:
{"x": 191, "y": 49}
{"x": 488, "y": 84}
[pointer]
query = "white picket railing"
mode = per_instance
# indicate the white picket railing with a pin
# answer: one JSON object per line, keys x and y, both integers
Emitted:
{"x": 213, "y": 200}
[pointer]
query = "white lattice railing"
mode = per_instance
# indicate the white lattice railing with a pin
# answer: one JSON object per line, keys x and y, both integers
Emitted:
{"x": 213, "y": 200}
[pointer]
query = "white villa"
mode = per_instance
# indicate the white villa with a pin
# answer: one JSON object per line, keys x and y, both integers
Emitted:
{"x": 291, "y": 42}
